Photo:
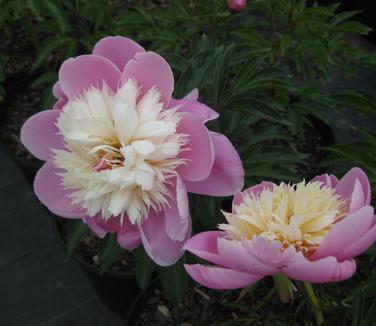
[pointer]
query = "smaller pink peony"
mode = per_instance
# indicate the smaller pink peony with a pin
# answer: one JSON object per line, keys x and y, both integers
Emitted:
{"x": 121, "y": 153}
{"x": 308, "y": 231}
{"x": 237, "y": 5}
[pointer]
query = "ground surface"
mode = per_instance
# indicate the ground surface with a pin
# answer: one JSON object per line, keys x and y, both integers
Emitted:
{"x": 36, "y": 286}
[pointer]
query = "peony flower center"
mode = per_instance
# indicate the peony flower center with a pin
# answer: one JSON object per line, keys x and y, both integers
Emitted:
{"x": 298, "y": 215}
{"x": 122, "y": 149}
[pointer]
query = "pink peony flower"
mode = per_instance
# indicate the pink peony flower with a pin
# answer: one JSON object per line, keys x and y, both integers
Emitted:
{"x": 308, "y": 231}
{"x": 121, "y": 154}
{"x": 237, "y": 5}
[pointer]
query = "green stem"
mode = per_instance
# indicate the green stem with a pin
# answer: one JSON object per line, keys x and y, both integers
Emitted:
{"x": 284, "y": 287}
{"x": 314, "y": 303}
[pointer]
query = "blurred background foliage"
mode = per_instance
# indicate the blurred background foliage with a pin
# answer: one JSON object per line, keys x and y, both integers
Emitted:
{"x": 265, "y": 70}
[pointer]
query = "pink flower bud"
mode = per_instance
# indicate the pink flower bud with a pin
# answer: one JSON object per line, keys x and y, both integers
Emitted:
{"x": 237, "y": 5}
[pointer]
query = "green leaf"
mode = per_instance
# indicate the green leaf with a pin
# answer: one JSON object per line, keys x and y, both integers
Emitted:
{"x": 269, "y": 171}
{"x": 358, "y": 153}
{"x": 358, "y": 307}
{"x": 144, "y": 268}
{"x": 206, "y": 210}
{"x": 371, "y": 314}
{"x": 369, "y": 287}
{"x": 77, "y": 230}
{"x": 353, "y": 27}
{"x": 109, "y": 252}
{"x": 57, "y": 13}
{"x": 269, "y": 132}
{"x": 70, "y": 49}
{"x": 42, "y": 80}
{"x": 174, "y": 281}
{"x": 339, "y": 18}
{"x": 356, "y": 100}
{"x": 48, "y": 47}
{"x": 35, "y": 8}
{"x": 371, "y": 251}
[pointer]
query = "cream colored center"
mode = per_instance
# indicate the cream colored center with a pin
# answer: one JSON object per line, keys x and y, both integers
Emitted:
{"x": 298, "y": 215}
{"x": 122, "y": 149}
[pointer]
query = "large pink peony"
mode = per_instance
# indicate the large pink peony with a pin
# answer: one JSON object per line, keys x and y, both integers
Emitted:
{"x": 308, "y": 231}
{"x": 121, "y": 154}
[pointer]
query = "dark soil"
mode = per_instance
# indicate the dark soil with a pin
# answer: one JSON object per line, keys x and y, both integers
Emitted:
{"x": 88, "y": 249}
{"x": 19, "y": 52}
{"x": 201, "y": 306}
{"x": 205, "y": 307}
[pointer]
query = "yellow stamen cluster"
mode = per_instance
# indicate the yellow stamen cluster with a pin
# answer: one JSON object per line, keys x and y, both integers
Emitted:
{"x": 298, "y": 215}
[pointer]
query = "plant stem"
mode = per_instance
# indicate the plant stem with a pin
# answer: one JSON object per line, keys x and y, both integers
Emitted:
{"x": 314, "y": 303}
{"x": 284, "y": 287}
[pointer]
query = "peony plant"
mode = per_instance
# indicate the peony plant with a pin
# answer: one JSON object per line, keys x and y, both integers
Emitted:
{"x": 121, "y": 153}
{"x": 310, "y": 232}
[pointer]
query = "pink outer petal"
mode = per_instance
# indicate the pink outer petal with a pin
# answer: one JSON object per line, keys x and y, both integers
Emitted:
{"x": 345, "y": 233}
{"x": 149, "y": 69}
{"x": 227, "y": 174}
{"x": 117, "y": 49}
{"x": 49, "y": 190}
{"x": 192, "y": 96}
{"x": 79, "y": 74}
{"x": 358, "y": 247}
{"x": 254, "y": 190}
{"x": 60, "y": 96}
{"x": 257, "y": 256}
{"x": 355, "y": 181}
{"x": 111, "y": 225}
{"x": 59, "y": 104}
{"x": 95, "y": 227}
{"x": 39, "y": 134}
{"x": 198, "y": 152}
{"x": 220, "y": 278}
{"x": 129, "y": 236}
{"x": 237, "y": 255}
{"x": 57, "y": 91}
{"x": 157, "y": 243}
{"x": 204, "y": 245}
{"x": 329, "y": 180}
{"x": 177, "y": 214}
{"x": 357, "y": 197}
{"x": 190, "y": 104}
{"x": 323, "y": 270}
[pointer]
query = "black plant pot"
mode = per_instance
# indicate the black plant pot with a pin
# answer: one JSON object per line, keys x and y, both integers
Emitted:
{"x": 138, "y": 303}
{"x": 117, "y": 290}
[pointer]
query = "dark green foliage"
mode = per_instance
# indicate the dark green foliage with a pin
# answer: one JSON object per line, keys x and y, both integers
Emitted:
{"x": 362, "y": 154}
{"x": 109, "y": 252}
{"x": 77, "y": 230}
{"x": 145, "y": 267}
{"x": 174, "y": 280}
